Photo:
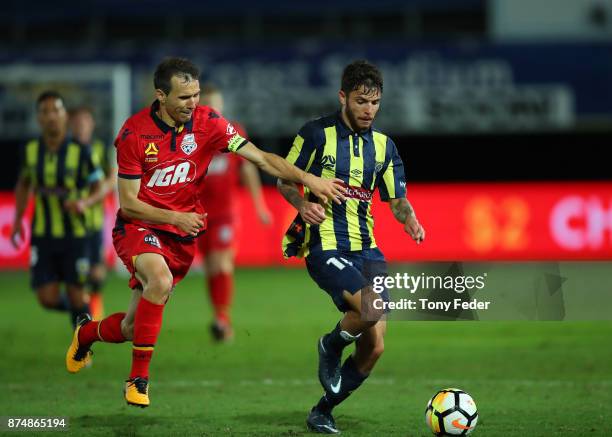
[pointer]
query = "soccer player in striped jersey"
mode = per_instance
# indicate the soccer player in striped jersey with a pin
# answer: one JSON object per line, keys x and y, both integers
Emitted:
{"x": 338, "y": 240}
{"x": 82, "y": 125}
{"x": 64, "y": 176}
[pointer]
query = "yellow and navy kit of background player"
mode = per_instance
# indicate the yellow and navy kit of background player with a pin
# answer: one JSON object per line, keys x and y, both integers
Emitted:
{"x": 364, "y": 161}
{"x": 105, "y": 155}
{"x": 65, "y": 174}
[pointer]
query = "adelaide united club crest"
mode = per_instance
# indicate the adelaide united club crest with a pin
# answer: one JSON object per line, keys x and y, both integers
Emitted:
{"x": 188, "y": 145}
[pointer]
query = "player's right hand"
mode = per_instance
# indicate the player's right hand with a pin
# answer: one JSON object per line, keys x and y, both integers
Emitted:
{"x": 312, "y": 213}
{"x": 326, "y": 189}
{"x": 17, "y": 234}
{"x": 413, "y": 228}
{"x": 189, "y": 222}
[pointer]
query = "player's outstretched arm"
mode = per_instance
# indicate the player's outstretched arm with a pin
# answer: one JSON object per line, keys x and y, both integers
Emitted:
{"x": 324, "y": 189}
{"x": 404, "y": 213}
{"x": 312, "y": 213}
{"x": 22, "y": 194}
{"x": 132, "y": 207}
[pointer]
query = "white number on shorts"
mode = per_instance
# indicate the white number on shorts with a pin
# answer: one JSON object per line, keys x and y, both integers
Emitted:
{"x": 334, "y": 261}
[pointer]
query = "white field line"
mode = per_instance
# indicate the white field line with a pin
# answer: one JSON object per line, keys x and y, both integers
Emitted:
{"x": 371, "y": 381}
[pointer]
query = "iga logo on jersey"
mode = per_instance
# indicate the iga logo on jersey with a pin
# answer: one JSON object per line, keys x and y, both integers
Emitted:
{"x": 170, "y": 178}
{"x": 230, "y": 129}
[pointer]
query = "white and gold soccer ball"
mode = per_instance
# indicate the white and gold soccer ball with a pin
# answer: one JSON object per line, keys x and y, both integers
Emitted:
{"x": 451, "y": 412}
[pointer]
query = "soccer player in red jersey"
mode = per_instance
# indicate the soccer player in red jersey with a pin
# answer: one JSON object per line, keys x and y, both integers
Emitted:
{"x": 219, "y": 195}
{"x": 163, "y": 153}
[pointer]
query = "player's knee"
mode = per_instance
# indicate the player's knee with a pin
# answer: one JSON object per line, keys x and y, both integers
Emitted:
{"x": 97, "y": 274}
{"x": 160, "y": 286}
{"x": 220, "y": 263}
{"x": 47, "y": 301}
{"x": 227, "y": 265}
{"x": 226, "y": 268}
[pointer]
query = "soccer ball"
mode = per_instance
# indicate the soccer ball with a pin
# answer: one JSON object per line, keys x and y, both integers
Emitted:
{"x": 451, "y": 412}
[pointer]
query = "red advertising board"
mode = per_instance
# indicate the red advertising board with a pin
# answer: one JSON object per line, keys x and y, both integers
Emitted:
{"x": 514, "y": 221}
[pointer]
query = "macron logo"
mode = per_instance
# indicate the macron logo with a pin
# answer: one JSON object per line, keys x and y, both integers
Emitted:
{"x": 174, "y": 174}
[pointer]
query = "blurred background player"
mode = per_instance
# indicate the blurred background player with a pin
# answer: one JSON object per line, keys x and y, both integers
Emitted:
{"x": 82, "y": 125}
{"x": 220, "y": 197}
{"x": 65, "y": 178}
{"x": 338, "y": 240}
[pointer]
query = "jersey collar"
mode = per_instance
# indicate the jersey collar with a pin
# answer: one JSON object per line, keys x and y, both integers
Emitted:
{"x": 63, "y": 144}
{"x": 163, "y": 126}
{"x": 344, "y": 131}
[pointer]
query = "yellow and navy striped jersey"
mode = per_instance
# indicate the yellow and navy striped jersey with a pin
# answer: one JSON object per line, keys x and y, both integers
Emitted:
{"x": 105, "y": 155}
{"x": 55, "y": 177}
{"x": 364, "y": 161}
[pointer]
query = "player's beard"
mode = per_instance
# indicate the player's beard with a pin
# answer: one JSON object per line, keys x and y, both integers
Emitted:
{"x": 54, "y": 130}
{"x": 354, "y": 124}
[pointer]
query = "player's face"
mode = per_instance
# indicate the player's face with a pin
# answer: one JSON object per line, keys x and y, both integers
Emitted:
{"x": 52, "y": 116}
{"x": 182, "y": 100}
{"x": 82, "y": 126}
{"x": 360, "y": 107}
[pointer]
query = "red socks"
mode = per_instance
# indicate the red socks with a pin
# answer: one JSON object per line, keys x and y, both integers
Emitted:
{"x": 221, "y": 291}
{"x": 147, "y": 324}
{"x": 107, "y": 330}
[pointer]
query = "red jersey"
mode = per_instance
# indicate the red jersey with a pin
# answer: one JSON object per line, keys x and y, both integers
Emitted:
{"x": 219, "y": 188}
{"x": 171, "y": 161}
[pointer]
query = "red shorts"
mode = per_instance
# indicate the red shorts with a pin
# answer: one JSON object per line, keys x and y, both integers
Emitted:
{"x": 132, "y": 240}
{"x": 220, "y": 235}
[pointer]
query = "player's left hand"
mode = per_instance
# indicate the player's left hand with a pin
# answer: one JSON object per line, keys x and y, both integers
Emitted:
{"x": 327, "y": 189}
{"x": 17, "y": 234}
{"x": 413, "y": 228}
{"x": 76, "y": 206}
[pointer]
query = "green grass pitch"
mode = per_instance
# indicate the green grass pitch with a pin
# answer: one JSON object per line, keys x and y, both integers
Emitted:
{"x": 527, "y": 378}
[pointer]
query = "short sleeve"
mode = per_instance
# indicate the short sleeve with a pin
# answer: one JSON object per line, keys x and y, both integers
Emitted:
{"x": 392, "y": 184}
{"x": 303, "y": 149}
{"x": 107, "y": 155}
{"x": 24, "y": 169}
{"x": 224, "y": 136}
{"x": 129, "y": 159}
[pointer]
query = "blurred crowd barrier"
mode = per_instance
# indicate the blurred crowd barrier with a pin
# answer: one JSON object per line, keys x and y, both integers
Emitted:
{"x": 475, "y": 221}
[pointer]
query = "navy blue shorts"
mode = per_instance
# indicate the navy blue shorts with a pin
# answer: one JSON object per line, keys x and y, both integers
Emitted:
{"x": 336, "y": 271}
{"x": 56, "y": 260}
{"x": 95, "y": 247}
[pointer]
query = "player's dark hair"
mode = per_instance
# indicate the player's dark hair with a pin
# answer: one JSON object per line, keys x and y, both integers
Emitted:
{"x": 180, "y": 67}
{"x": 83, "y": 109}
{"x": 49, "y": 94}
{"x": 361, "y": 73}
